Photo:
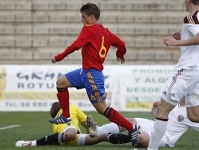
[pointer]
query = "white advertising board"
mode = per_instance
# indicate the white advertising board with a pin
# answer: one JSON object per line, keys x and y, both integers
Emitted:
{"x": 140, "y": 86}
{"x": 33, "y": 88}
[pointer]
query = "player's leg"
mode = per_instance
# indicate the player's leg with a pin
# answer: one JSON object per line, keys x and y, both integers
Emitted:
{"x": 146, "y": 126}
{"x": 113, "y": 128}
{"x": 63, "y": 97}
{"x": 173, "y": 92}
{"x": 94, "y": 129}
{"x": 71, "y": 79}
{"x": 85, "y": 139}
{"x": 143, "y": 140}
{"x": 94, "y": 84}
{"x": 192, "y": 99}
{"x": 178, "y": 124}
{"x": 46, "y": 140}
{"x": 114, "y": 116}
{"x": 94, "y": 140}
{"x": 192, "y": 103}
{"x": 108, "y": 128}
{"x": 92, "y": 126}
{"x": 193, "y": 113}
{"x": 118, "y": 138}
{"x": 55, "y": 139}
{"x": 193, "y": 125}
{"x": 160, "y": 124}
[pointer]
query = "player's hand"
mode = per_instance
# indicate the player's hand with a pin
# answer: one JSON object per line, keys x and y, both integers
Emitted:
{"x": 177, "y": 35}
{"x": 170, "y": 41}
{"x": 53, "y": 60}
{"x": 121, "y": 59}
{"x": 155, "y": 108}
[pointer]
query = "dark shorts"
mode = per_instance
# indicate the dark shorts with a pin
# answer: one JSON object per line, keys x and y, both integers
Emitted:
{"x": 92, "y": 80}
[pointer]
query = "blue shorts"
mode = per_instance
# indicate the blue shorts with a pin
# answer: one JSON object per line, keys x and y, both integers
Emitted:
{"x": 92, "y": 80}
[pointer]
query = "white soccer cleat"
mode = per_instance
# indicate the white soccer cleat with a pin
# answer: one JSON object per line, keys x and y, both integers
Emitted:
{"x": 23, "y": 143}
{"x": 92, "y": 126}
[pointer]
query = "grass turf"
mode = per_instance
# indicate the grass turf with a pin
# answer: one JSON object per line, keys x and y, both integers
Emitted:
{"x": 34, "y": 125}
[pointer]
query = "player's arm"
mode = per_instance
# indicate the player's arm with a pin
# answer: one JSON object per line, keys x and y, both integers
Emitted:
{"x": 120, "y": 45}
{"x": 193, "y": 29}
{"x": 171, "y": 41}
{"x": 83, "y": 39}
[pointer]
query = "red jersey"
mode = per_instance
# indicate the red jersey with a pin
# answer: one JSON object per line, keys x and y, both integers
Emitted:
{"x": 95, "y": 41}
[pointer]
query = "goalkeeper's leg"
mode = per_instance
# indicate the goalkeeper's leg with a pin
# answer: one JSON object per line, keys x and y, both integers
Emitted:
{"x": 118, "y": 138}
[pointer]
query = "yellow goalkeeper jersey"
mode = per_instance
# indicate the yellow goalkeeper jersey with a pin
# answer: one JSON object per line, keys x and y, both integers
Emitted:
{"x": 77, "y": 116}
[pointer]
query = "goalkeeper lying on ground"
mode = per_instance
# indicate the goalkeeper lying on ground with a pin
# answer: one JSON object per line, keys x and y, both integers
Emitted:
{"x": 71, "y": 135}
{"x": 178, "y": 124}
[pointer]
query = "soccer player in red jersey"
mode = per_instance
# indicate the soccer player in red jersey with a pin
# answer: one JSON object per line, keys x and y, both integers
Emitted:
{"x": 94, "y": 41}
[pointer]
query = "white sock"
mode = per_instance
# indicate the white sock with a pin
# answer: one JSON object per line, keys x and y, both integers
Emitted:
{"x": 108, "y": 128}
{"x": 34, "y": 143}
{"x": 157, "y": 134}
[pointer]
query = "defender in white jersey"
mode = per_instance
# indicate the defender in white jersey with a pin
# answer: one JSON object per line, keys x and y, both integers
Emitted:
{"x": 185, "y": 79}
{"x": 178, "y": 124}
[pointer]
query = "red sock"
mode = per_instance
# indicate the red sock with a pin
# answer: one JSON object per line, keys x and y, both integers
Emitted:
{"x": 117, "y": 118}
{"x": 63, "y": 97}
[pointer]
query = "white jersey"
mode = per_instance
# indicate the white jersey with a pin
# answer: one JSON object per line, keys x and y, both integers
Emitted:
{"x": 189, "y": 54}
{"x": 185, "y": 82}
{"x": 178, "y": 124}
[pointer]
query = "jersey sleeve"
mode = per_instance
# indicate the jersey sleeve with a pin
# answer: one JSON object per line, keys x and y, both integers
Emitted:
{"x": 83, "y": 39}
{"x": 193, "y": 28}
{"x": 119, "y": 44}
{"x": 192, "y": 21}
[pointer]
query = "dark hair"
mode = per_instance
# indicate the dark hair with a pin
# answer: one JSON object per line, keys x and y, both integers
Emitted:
{"x": 54, "y": 109}
{"x": 91, "y": 9}
{"x": 195, "y": 2}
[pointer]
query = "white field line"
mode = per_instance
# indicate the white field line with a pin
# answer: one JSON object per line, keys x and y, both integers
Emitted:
{"x": 9, "y": 127}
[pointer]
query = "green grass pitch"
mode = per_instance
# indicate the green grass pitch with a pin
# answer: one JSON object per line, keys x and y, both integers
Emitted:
{"x": 34, "y": 125}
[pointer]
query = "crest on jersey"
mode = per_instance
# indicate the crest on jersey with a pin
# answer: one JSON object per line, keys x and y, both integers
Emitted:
{"x": 180, "y": 118}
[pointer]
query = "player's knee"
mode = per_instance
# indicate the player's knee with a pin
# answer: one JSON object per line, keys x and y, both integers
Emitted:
{"x": 143, "y": 140}
{"x": 193, "y": 114}
{"x": 193, "y": 118}
{"x": 63, "y": 82}
{"x": 60, "y": 81}
{"x": 163, "y": 112}
{"x": 69, "y": 135}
